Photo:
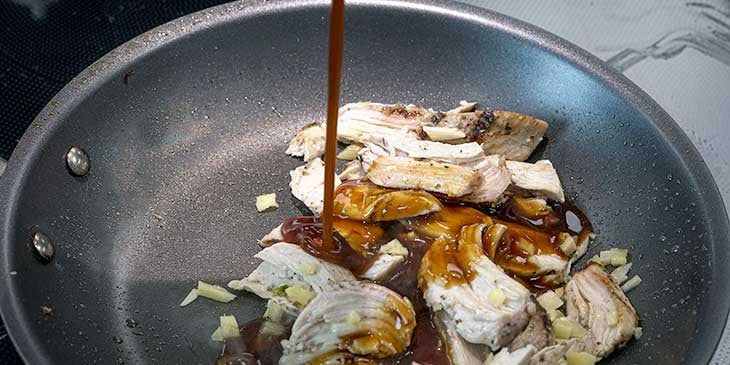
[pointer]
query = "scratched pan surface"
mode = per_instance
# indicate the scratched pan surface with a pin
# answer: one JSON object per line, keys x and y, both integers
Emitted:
{"x": 187, "y": 123}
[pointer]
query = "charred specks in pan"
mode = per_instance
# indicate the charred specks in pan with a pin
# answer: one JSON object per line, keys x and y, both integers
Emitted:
{"x": 127, "y": 75}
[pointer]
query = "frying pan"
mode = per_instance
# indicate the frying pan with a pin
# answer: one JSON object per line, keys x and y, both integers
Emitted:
{"x": 187, "y": 123}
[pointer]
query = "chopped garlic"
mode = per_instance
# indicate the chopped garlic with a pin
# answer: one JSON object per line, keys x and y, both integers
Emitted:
{"x": 349, "y": 153}
{"x": 353, "y": 318}
{"x": 443, "y": 133}
{"x": 549, "y": 300}
{"x": 274, "y": 311}
{"x": 214, "y": 292}
{"x": 489, "y": 359}
{"x": 580, "y": 358}
{"x": 266, "y": 202}
{"x": 567, "y": 243}
{"x": 229, "y": 327}
{"x": 621, "y": 273}
{"x": 638, "y": 331}
{"x": 496, "y": 297}
{"x": 632, "y": 283}
{"x": 190, "y": 297}
{"x": 612, "y": 318}
{"x": 562, "y": 328}
{"x": 395, "y": 248}
{"x": 299, "y": 294}
{"x": 309, "y": 268}
{"x": 596, "y": 259}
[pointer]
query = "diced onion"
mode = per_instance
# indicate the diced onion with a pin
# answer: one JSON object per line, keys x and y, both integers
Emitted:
{"x": 621, "y": 273}
{"x": 349, "y": 153}
{"x": 266, "y": 202}
{"x": 309, "y": 268}
{"x": 217, "y": 335}
{"x": 190, "y": 297}
{"x": 229, "y": 327}
{"x": 489, "y": 359}
{"x": 577, "y": 330}
{"x": 567, "y": 243}
{"x": 395, "y": 248}
{"x": 580, "y": 358}
{"x": 632, "y": 283}
{"x": 214, "y": 292}
{"x": 299, "y": 294}
{"x": 619, "y": 256}
{"x": 549, "y": 300}
{"x": 496, "y": 297}
{"x": 443, "y": 133}
{"x": 554, "y": 314}
{"x": 562, "y": 328}
{"x": 274, "y": 311}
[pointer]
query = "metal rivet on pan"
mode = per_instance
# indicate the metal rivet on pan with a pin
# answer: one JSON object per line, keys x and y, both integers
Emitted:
{"x": 77, "y": 161}
{"x": 43, "y": 247}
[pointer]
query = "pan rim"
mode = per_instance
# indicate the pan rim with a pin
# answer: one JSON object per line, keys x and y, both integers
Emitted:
{"x": 117, "y": 60}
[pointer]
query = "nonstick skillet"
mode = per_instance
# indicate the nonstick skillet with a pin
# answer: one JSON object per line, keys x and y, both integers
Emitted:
{"x": 184, "y": 125}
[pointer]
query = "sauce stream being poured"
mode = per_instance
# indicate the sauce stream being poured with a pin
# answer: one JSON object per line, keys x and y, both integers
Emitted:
{"x": 337, "y": 30}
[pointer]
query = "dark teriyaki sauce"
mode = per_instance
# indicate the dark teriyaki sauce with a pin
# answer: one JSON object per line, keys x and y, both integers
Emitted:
{"x": 259, "y": 344}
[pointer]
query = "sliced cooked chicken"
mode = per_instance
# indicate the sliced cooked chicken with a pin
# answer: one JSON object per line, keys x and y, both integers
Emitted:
{"x": 520, "y": 356}
{"x": 391, "y": 256}
{"x": 366, "y": 122}
{"x": 457, "y": 154}
{"x": 460, "y": 351}
{"x": 539, "y": 178}
{"x": 354, "y": 319}
{"x": 494, "y": 175}
{"x": 495, "y": 179}
{"x": 512, "y": 135}
{"x": 538, "y": 332}
{"x": 308, "y": 143}
{"x": 286, "y": 264}
{"x": 595, "y": 301}
{"x": 365, "y": 201}
{"x": 448, "y": 222}
{"x": 485, "y": 305}
{"x": 407, "y": 173}
{"x": 307, "y": 184}
{"x": 353, "y": 171}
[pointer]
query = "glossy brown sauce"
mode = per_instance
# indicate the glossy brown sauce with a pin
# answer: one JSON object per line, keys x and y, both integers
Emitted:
{"x": 337, "y": 33}
{"x": 364, "y": 201}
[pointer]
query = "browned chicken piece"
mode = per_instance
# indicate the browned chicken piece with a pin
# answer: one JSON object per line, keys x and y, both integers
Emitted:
{"x": 596, "y": 302}
{"x": 538, "y": 333}
{"x": 408, "y": 173}
{"x": 512, "y": 135}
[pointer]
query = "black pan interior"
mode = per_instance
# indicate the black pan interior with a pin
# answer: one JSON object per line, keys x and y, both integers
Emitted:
{"x": 188, "y": 123}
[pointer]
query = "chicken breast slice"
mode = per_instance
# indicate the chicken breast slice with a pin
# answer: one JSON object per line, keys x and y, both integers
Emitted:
{"x": 595, "y": 301}
{"x": 366, "y": 121}
{"x": 407, "y": 173}
{"x": 539, "y": 178}
{"x": 351, "y": 320}
{"x": 286, "y": 264}
{"x": 495, "y": 179}
{"x": 457, "y": 154}
{"x": 307, "y": 184}
{"x": 460, "y": 351}
{"x": 459, "y": 280}
{"x": 309, "y": 143}
{"x": 512, "y": 135}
